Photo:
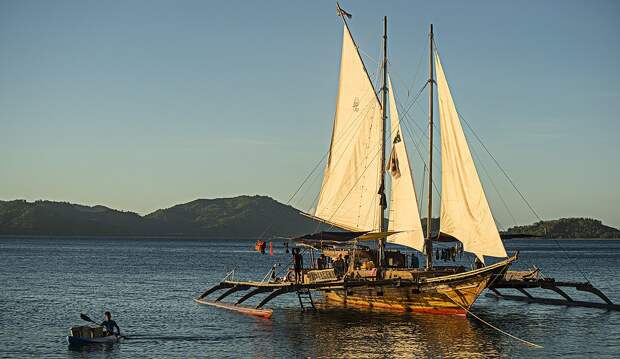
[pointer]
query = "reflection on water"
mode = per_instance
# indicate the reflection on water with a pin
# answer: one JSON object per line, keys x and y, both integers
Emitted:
{"x": 149, "y": 285}
{"x": 333, "y": 332}
{"x": 103, "y": 350}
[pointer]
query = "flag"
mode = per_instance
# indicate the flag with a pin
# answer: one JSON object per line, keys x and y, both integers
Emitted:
{"x": 397, "y": 138}
{"x": 341, "y": 12}
{"x": 393, "y": 166}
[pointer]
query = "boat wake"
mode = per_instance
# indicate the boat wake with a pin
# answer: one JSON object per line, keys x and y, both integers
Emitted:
{"x": 190, "y": 338}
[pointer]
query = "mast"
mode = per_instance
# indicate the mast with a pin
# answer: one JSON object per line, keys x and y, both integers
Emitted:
{"x": 382, "y": 201}
{"x": 428, "y": 245}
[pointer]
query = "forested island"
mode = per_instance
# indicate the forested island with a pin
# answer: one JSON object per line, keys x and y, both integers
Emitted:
{"x": 568, "y": 228}
{"x": 236, "y": 217}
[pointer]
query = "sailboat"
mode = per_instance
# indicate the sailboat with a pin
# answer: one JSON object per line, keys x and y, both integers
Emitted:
{"x": 353, "y": 194}
{"x": 353, "y": 199}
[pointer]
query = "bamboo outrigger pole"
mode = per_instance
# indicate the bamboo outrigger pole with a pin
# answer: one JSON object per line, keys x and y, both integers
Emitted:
{"x": 382, "y": 201}
{"x": 428, "y": 245}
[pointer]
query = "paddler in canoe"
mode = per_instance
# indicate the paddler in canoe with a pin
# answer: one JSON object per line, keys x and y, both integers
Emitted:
{"x": 101, "y": 334}
{"x": 108, "y": 325}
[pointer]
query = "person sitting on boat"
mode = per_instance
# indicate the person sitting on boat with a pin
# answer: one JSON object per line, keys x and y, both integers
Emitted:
{"x": 273, "y": 274}
{"x": 478, "y": 263}
{"x": 108, "y": 324}
{"x": 298, "y": 263}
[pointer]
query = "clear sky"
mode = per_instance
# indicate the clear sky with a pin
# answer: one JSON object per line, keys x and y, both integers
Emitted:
{"x": 139, "y": 105}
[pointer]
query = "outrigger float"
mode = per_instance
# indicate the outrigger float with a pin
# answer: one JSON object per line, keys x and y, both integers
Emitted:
{"x": 353, "y": 198}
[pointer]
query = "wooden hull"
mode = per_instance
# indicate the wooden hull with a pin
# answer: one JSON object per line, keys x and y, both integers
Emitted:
{"x": 110, "y": 339}
{"x": 452, "y": 294}
{"x": 433, "y": 299}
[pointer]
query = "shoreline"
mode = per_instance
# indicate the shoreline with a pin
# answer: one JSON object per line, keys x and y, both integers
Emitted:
{"x": 211, "y": 238}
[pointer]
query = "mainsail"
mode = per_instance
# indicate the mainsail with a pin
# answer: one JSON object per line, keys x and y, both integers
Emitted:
{"x": 349, "y": 194}
{"x": 465, "y": 212}
{"x": 404, "y": 216}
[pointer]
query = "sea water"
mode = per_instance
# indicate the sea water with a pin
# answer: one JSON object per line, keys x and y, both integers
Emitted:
{"x": 149, "y": 284}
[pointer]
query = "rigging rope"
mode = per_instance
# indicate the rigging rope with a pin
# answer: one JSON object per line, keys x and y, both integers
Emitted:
{"x": 477, "y": 158}
{"x": 410, "y": 132}
{"x": 514, "y": 186}
{"x": 337, "y": 140}
{"x": 368, "y": 108}
{"x": 523, "y": 198}
{"x": 423, "y": 179}
{"x": 364, "y": 171}
{"x": 355, "y": 184}
{"x": 419, "y": 152}
{"x": 534, "y": 345}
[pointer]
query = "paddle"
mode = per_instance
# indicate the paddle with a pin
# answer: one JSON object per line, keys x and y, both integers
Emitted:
{"x": 87, "y": 318}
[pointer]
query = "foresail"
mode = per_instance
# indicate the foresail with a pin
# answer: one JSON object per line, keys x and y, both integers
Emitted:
{"x": 404, "y": 215}
{"x": 349, "y": 193}
{"x": 465, "y": 212}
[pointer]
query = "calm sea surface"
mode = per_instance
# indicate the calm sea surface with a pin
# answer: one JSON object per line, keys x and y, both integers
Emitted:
{"x": 149, "y": 285}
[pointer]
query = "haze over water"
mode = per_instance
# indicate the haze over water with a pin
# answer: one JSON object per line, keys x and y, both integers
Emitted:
{"x": 149, "y": 285}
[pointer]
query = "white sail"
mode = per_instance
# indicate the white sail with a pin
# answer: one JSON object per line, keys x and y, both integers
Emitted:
{"x": 404, "y": 216}
{"x": 349, "y": 193}
{"x": 465, "y": 212}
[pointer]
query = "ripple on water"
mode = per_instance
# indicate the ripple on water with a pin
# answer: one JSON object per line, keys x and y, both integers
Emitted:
{"x": 149, "y": 286}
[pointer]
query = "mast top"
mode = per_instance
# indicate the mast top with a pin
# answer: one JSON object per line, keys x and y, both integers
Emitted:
{"x": 341, "y": 12}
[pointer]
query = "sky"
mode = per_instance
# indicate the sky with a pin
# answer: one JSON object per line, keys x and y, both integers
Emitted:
{"x": 140, "y": 105}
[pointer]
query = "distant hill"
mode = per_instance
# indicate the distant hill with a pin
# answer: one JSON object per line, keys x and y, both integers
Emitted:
{"x": 61, "y": 218}
{"x": 238, "y": 217}
{"x": 569, "y": 228}
{"x": 243, "y": 216}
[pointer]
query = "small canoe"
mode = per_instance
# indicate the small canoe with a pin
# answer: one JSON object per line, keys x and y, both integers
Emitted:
{"x": 265, "y": 313}
{"x": 109, "y": 339}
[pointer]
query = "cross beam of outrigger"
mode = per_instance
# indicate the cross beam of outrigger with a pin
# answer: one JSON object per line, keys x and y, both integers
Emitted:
{"x": 522, "y": 281}
{"x": 275, "y": 290}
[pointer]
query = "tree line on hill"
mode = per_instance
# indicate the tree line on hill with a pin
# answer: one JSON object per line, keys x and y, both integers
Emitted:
{"x": 237, "y": 217}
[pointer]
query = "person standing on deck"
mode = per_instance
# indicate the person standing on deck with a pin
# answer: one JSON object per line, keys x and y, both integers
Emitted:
{"x": 298, "y": 263}
{"x": 339, "y": 266}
